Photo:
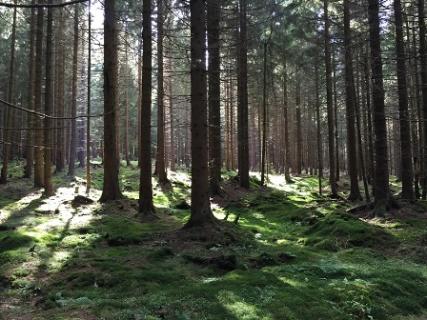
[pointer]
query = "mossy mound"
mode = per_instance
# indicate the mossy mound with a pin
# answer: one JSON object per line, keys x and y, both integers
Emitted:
{"x": 345, "y": 231}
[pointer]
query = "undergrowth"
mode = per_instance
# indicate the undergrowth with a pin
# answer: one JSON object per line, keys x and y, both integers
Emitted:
{"x": 292, "y": 255}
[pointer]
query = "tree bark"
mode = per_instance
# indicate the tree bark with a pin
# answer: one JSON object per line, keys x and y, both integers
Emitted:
{"x": 38, "y": 151}
{"x": 243, "y": 141}
{"x": 381, "y": 181}
{"x": 9, "y": 119}
{"x": 350, "y": 107}
{"x": 215, "y": 160}
{"x": 423, "y": 64}
{"x": 264, "y": 117}
{"x": 405, "y": 129}
{"x": 286, "y": 122}
{"x": 60, "y": 90}
{"x": 111, "y": 188}
{"x": 201, "y": 214}
{"x": 146, "y": 207}
{"x": 332, "y": 154}
{"x": 29, "y": 150}
{"x": 89, "y": 95}
{"x": 160, "y": 154}
{"x": 73, "y": 121}
{"x": 48, "y": 141}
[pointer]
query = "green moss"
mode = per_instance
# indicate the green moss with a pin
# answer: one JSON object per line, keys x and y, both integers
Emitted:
{"x": 347, "y": 231}
{"x": 116, "y": 267}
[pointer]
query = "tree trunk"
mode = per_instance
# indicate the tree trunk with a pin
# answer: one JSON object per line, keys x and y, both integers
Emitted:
{"x": 319, "y": 130}
{"x": 38, "y": 152}
{"x": 243, "y": 140}
{"x": 215, "y": 160}
{"x": 286, "y": 122}
{"x": 405, "y": 130}
{"x": 160, "y": 155}
{"x": 29, "y": 151}
{"x": 264, "y": 117}
{"x": 89, "y": 78}
{"x": 60, "y": 105}
{"x": 126, "y": 83}
{"x": 111, "y": 188}
{"x": 423, "y": 64}
{"x": 299, "y": 126}
{"x": 332, "y": 155}
{"x": 146, "y": 207}
{"x": 73, "y": 142}
{"x": 381, "y": 182}
{"x": 201, "y": 213}
{"x": 9, "y": 119}
{"x": 48, "y": 141}
{"x": 350, "y": 107}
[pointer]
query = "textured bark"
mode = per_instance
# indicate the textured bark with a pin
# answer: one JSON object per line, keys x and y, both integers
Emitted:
{"x": 126, "y": 84}
{"x": 423, "y": 64}
{"x": 60, "y": 105}
{"x": 299, "y": 127}
{"x": 89, "y": 78}
{"x": 381, "y": 180}
{"x": 319, "y": 130}
{"x": 146, "y": 207}
{"x": 201, "y": 214}
{"x": 73, "y": 121}
{"x": 405, "y": 129}
{"x": 328, "y": 66}
{"x": 350, "y": 107}
{"x": 9, "y": 119}
{"x": 160, "y": 154}
{"x": 29, "y": 150}
{"x": 215, "y": 160}
{"x": 264, "y": 117}
{"x": 38, "y": 151}
{"x": 111, "y": 188}
{"x": 47, "y": 132}
{"x": 242, "y": 110}
{"x": 286, "y": 122}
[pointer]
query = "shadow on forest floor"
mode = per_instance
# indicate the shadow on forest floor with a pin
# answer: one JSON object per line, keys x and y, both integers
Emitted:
{"x": 288, "y": 251}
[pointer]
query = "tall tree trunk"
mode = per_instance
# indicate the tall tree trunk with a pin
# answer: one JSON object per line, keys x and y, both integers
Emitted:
{"x": 299, "y": 126}
{"x": 126, "y": 83}
{"x": 146, "y": 207}
{"x": 286, "y": 122}
{"x": 319, "y": 130}
{"x": 160, "y": 155}
{"x": 423, "y": 63}
{"x": 335, "y": 112}
{"x": 243, "y": 140}
{"x": 48, "y": 141}
{"x": 201, "y": 213}
{"x": 89, "y": 78}
{"x": 73, "y": 142}
{"x": 29, "y": 151}
{"x": 350, "y": 107}
{"x": 38, "y": 151}
{"x": 215, "y": 160}
{"x": 9, "y": 119}
{"x": 139, "y": 101}
{"x": 332, "y": 155}
{"x": 59, "y": 98}
{"x": 111, "y": 188}
{"x": 405, "y": 130}
{"x": 381, "y": 182}
{"x": 264, "y": 117}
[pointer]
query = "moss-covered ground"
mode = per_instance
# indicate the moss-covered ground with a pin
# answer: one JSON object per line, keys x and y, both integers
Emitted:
{"x": 292, "y": 255}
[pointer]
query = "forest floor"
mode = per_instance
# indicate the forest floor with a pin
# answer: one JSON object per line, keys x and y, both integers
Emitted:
{"x": 292, "y": 255}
